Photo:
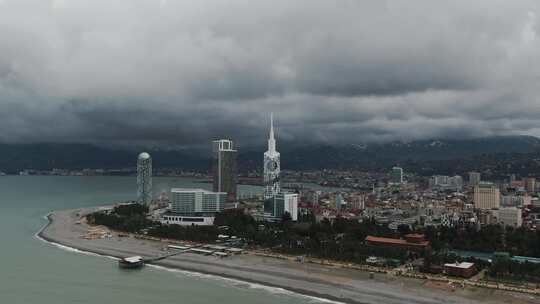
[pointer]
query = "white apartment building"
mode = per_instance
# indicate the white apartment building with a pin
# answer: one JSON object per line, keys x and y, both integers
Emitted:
{"x": 194, "y": 206}
{"x": 510, "y": 216}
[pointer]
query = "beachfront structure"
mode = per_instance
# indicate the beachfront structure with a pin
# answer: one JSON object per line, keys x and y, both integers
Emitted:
{"x": 486, "y": 196}
{"x": 175, "y": 219}
{"x": 275, "y": 207}
{"x": 463, "y": 269}
{"x": 224, "y": 168}
{"x": 144, "y": 179}
{"x": 194, "y": 206}
{"x": 271, "y": 166}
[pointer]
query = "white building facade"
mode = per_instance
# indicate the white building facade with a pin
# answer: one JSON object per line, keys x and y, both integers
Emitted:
{"x": 280, "y": 204}
{"x": 510, "y": 216}
{"x": 446, "y": 183}
{"x": 194, "y": 206}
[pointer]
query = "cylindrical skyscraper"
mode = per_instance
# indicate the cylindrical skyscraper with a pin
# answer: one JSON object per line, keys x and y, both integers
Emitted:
{"x": 144, "y": 179}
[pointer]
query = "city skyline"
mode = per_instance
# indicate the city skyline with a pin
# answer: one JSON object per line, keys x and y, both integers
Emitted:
{"x": 307, "y": 151}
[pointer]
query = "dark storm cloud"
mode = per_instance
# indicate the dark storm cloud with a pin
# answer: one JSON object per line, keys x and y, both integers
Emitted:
{"x": 184, "y": 72}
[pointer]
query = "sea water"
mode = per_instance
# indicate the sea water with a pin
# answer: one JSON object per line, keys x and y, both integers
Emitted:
{"x": 34, "y": 271}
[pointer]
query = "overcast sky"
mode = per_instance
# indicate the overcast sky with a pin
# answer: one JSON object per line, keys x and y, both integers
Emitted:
{"x": 185, "y": 72}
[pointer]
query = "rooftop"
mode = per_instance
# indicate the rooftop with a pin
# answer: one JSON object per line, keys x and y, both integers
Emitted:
{"x": 133, "y": 259}
{"x": 392, "y": 241}
{"x": 462, "y": 265}
{"x": 144, "y": 156}
{"x": 486, "y": 185}
{"x": 189, "y": 190}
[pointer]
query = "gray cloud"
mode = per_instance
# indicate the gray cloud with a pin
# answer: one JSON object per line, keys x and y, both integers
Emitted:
{"x": 184, "y": 72}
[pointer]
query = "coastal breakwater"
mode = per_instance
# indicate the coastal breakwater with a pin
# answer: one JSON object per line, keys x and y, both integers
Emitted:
{"x": 337, "y": 284}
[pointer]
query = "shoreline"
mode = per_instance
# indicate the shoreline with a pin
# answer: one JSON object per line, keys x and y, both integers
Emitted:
{"x": 322, "y": 283}
{"x": 299, "y": 292}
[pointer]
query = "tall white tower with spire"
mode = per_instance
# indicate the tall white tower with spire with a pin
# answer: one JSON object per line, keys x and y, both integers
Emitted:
{"x": 271, "y": 165}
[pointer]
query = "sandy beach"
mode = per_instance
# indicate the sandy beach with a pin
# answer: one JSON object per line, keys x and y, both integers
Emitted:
{"x": 343, "y": 285}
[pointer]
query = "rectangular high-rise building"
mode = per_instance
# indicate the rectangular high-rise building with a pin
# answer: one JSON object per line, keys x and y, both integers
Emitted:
{"x": 486, "y": 196}
{"x": 474, "y": 178}
{"x": 396, "y": 176}
{"x": 281, "y": 203}
{"x": 530, "y": 184}
{"x": 224, "y": 168}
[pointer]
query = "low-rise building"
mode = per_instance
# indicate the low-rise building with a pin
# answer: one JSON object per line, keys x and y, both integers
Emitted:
{"x": 463, "y": 269}
{"x": 411, "y": 242}
{"x": 515, "y": 200}
{"x": 446, "y": 183}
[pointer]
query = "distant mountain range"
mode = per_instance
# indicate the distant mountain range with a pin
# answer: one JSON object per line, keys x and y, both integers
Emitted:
{"x": 42, "y": 156}
{"x": 387, "y": 154}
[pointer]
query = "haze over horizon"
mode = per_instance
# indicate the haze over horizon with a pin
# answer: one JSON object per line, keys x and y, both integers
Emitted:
{"x": 184, "y": 72}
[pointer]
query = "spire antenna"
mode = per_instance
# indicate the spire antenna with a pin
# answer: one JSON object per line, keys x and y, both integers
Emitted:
{"x": 271, "y": 139}
{"x": 271, "y": 125}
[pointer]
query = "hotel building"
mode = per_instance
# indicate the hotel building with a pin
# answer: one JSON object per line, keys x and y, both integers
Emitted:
{"x": 486, "y": 196}
{"x": 194, "y": 206}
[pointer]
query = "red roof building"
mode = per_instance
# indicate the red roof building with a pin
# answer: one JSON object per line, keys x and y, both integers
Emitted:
{"x": 411, "y": 242}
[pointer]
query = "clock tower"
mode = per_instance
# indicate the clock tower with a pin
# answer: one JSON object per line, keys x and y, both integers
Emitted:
{"x": 271, "y": 166}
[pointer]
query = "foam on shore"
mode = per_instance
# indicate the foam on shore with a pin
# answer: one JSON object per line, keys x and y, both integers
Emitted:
{"x": 237, "y": 283}
{"x": 64, "y": 247}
